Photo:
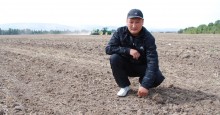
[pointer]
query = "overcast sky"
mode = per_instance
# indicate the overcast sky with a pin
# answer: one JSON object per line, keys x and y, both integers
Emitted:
{"x": 157, "y": 13}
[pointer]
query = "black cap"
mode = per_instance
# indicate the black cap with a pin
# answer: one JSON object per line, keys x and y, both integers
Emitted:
{"x": 135, "y": 13}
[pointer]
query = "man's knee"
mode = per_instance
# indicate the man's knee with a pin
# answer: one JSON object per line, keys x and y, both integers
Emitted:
{"x": 115, "y": 59}
{"x": 159, "y": 78}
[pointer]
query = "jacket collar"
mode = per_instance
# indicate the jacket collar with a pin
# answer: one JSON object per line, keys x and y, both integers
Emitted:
{"x": 141, "y": 34}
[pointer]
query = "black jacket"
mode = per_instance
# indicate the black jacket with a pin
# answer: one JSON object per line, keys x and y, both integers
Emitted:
{"x": 122, "y": 41}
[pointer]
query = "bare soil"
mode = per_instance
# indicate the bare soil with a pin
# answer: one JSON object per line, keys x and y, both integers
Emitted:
{"x": 66, "y": 74}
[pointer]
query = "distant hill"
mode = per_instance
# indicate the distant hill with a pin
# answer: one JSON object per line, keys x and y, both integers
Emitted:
{"x": 51, "y": 26}
{"x": 163, "y": 30}
{"x": 36, "y": 26}
{"x": 48, "y": 26}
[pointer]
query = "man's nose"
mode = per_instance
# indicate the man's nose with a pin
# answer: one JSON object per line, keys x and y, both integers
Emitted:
{"x": 133, "y": 25}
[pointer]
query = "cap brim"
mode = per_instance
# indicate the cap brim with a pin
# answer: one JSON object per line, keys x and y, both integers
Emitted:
{"x": 135, "y": 17}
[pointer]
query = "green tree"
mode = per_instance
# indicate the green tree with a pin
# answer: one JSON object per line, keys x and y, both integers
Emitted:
{"x": 217, "y": 22}
{"x": 217, "y": 25}
{"x": 211, "y": 28}
{"x": 201, "y": 29}
{"x": 180, "y": 31}
{"x": 190, "y": 30}
{"x": 104, "y": 30}
{"x": 95, "y": 32}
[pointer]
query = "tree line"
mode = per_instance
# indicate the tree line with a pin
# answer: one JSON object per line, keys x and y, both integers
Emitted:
{"x": 211, "y": 28}
{"x": 11, "y": 31}
{"x": 103, "y": 31}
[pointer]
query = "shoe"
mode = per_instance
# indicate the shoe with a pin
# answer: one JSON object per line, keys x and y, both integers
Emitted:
{"x": 123, "y": 91}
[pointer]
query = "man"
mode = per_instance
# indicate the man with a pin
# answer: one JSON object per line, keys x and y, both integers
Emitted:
{"x": 133, "y": 53}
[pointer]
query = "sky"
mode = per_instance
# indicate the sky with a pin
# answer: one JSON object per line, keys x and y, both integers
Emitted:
{"x": 157, "y": 13}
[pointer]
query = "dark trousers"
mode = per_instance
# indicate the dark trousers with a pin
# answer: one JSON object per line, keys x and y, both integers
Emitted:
{"x": 122, "y": 69}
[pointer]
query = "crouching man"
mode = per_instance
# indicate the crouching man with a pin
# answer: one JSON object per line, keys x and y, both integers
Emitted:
{"x": 133, "y": 54}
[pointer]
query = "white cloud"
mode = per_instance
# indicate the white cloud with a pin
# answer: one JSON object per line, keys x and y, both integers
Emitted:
{"x": 157, "y": 13}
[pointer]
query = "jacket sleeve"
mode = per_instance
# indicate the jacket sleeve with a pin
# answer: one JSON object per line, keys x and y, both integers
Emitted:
{"x": 114, "y": 45}
{"x": 152, "y": 63}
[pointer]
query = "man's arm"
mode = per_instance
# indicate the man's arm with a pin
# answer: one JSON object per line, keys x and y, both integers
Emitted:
{"x": 114, "y": 45}
{"x": 152, "y": 63}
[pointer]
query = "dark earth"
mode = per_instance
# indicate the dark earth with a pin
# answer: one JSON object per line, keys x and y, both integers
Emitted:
{"x": 71, "y": 75}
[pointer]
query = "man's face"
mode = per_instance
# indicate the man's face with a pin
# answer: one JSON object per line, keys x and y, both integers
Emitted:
{"x": 135, "y": 25}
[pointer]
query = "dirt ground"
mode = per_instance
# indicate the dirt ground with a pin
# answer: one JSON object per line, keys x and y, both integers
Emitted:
{"x": 71, "y": 75}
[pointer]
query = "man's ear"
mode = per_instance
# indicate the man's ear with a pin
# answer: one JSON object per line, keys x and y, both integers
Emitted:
{"x": 127, "y": 21}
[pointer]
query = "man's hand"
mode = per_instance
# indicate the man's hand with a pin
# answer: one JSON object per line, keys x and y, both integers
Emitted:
{"x": 134, "y": 53}
{"x": 142, "y": 92}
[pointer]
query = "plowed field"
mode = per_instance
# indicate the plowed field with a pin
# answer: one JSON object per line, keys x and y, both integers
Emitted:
{"x": 67, "y": 74}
